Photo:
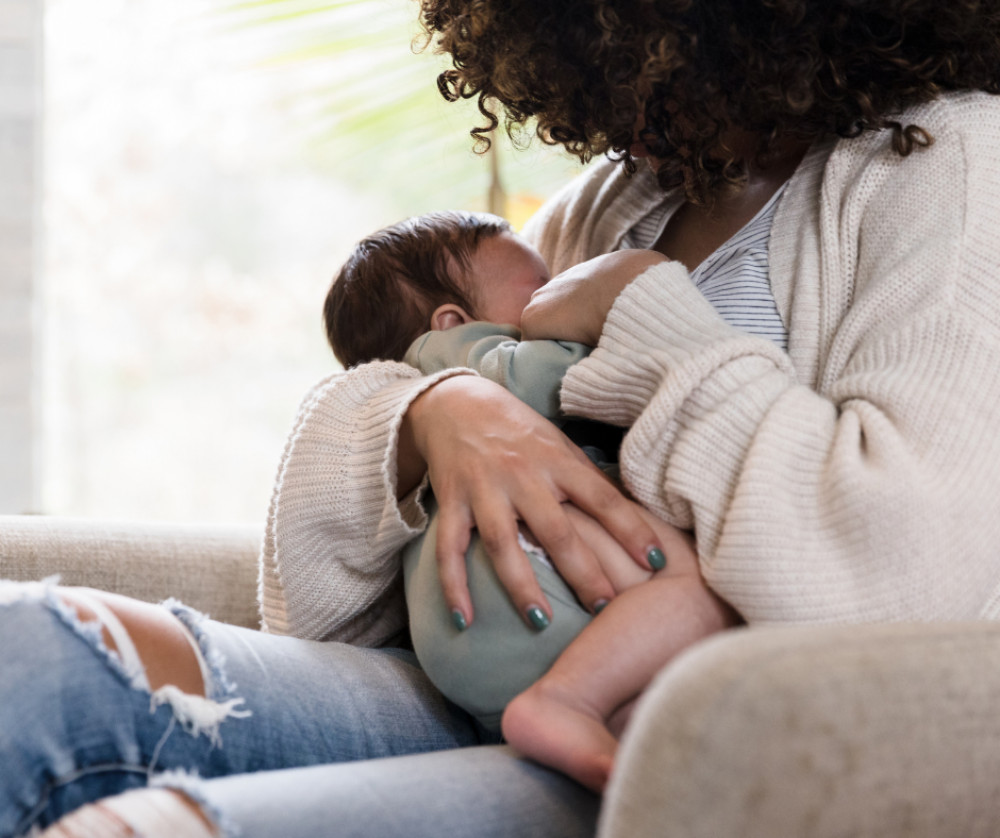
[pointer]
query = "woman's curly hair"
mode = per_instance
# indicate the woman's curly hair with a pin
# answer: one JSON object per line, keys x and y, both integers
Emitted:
{"x": 586, "y": 70}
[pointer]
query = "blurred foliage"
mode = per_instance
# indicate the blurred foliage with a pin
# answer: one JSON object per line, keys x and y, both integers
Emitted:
{"x": 376, "y": 118}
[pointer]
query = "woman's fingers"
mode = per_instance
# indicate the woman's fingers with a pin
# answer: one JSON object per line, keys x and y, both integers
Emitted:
{"x": 493, "y": 462}
{"x": 453, "y": 535}
{"x": 604, "y": 501}
{"x": 499, "y": 534}
{"x": 498, "y": 531}
{"x": 573, "y": 558}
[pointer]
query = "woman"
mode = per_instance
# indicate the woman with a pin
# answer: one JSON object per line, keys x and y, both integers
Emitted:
{"x": 829, "y": 434}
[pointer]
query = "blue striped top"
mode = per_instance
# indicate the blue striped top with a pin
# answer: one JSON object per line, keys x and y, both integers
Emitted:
{"x": 735, "y": 279}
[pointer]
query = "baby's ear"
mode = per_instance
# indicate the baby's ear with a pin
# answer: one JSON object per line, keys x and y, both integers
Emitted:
{"x": 448, "y": 316}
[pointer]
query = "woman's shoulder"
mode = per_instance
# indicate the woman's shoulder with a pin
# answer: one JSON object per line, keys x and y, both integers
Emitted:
{"x": 963, "y": 123}
{"x": 953, "y": 153}
{"x": 957, "y": 110}
{"x": 935, "y": 206}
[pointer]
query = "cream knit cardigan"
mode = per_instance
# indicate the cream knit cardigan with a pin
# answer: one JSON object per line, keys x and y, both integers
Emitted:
{"x": 855, "y": 478}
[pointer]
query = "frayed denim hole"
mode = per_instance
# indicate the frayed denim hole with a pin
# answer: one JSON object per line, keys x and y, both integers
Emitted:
{"x": 13, "y": 592}
{"x": 202, "y": 714}
{"x": 221, "y": 687}
{"x": 28, "y": 827}
{"x": 191, "y": 784}
{"x": 196, "y": 714}
{"x": 90, "y": 631}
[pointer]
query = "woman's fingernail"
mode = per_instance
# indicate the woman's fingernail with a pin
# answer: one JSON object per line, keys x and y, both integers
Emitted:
{"x": 458, "y": 618}
{"x": 656, "y": 559}
{"x": 600, "y": 605}
{"x": 537, "y": 617}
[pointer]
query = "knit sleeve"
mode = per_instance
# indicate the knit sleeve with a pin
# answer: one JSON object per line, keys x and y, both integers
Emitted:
{"x": 329, "y": 567}
{"x": 872, "y": 493}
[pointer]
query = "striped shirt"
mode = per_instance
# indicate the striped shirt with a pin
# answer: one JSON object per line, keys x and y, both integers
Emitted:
{"x": 735, "y": 278}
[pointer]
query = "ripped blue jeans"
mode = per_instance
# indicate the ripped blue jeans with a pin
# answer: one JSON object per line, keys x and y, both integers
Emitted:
{"x": 77, "y": 725}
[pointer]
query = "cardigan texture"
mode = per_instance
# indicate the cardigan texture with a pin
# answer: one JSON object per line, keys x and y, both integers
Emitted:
{"x": 853, "y": 478}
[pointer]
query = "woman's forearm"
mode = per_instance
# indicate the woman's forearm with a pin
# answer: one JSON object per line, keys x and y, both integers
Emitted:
{"x": 335, "y": 526}
{"x": 810, "y": 504}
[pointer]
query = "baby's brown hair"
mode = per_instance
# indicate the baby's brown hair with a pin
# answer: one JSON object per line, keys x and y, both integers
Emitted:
{"x": 382, "y": 298}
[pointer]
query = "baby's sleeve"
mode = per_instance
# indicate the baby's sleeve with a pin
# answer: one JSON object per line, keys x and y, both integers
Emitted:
{"x": 532, "y": 370}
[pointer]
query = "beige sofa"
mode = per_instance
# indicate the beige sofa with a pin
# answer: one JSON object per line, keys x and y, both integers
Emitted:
{"x": 210, "y": 567}
{"x": 815, "y": 732}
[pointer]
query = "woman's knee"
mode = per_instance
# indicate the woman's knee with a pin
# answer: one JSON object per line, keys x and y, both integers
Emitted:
{"x": 142, "y": 813}
{"x": 78, "y": 718}
{"x": 147, "y": 638}
{"x": 158, "y": 648}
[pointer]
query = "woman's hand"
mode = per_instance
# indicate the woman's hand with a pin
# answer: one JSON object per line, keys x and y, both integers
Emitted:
{"x": 575, "y": 304}
{"x": 493, "y": 462}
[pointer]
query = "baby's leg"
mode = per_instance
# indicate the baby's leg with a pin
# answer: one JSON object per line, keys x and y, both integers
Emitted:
{"x": 562, "y": 720}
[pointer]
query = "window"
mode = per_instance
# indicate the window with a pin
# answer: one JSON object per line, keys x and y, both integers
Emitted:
{"x": 200, "y": 191}
{"x": 20, "y": 121}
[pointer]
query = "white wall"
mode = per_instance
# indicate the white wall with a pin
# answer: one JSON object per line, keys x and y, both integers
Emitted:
{"x": 20, "y": 135}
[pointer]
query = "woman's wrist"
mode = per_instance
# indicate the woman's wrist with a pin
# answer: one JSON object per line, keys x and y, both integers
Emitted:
{"x": 410, "y": 463}
{"x": 575, "y": 304}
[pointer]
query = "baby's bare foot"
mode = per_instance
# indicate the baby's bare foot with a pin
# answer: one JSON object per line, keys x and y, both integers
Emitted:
{"x": 557, "y": 729}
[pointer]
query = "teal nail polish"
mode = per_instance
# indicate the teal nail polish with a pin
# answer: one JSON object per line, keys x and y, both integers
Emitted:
{"x": 600, "y": 605}
{"x": 656, "y": 559}
{"x": 459, "y": 620}
{"x": 537, "y": 618}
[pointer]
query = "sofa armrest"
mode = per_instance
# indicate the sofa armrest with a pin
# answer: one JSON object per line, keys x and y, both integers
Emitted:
{"x": 210, "y": 567}
{"x": 887, "y": 731}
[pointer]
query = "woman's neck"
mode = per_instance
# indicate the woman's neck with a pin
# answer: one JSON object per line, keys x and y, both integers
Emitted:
{"x": 695, "y": 232}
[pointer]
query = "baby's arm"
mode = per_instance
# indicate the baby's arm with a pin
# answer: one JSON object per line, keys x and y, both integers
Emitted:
{"x": 531, "y": 370}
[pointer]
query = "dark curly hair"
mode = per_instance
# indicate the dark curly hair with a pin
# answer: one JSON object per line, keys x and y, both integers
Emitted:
{"x": 586, "y": 70}
{"x": 382, "y": 298}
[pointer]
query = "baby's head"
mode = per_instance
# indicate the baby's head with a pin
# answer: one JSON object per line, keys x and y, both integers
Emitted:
{"x": 429, "y": 272}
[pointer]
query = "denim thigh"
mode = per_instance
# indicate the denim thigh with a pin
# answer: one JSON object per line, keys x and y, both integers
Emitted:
{"x": 488, "y": 792}
{"x": 75, "y": 728}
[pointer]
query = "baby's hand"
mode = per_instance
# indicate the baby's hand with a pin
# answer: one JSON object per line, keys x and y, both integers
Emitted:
{"x": 575, "y": 304}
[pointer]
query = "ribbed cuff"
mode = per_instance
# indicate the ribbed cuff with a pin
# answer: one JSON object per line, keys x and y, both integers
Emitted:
{"x": 409, "y": 509}
{"x": 660, "y": 332}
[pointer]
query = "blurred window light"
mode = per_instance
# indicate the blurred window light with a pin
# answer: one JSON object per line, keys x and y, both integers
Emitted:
{"x": 206, "y": 172}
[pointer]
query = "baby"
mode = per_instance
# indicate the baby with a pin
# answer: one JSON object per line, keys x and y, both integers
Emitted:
{"x": 446, "y": 290}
